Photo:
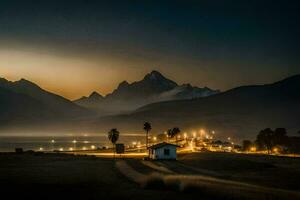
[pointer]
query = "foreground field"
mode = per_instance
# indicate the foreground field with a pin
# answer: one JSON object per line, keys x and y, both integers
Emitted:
{"x": 52, "y": 176}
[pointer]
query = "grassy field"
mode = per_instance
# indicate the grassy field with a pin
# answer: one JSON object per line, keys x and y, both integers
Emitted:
{"x": 53, "y": 176}
{"x": 60, "y": 176}
{"x": 272, "y": 171}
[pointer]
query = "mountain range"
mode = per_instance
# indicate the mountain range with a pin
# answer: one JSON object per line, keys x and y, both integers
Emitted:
{"x": 24, "y": 101}
{"x": 154, "y": 87}
{"x": 239, "y": 112}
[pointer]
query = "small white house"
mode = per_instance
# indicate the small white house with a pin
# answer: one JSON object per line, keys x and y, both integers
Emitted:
{"x": 163, "y": 151}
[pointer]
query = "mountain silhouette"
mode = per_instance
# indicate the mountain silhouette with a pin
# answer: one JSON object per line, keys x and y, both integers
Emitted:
{"x": 154, "y": 87}
{"x": 240, "y": 112}
{"x": 25, "y": 101}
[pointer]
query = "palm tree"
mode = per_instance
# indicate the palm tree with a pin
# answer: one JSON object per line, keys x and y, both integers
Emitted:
{"x": 147, "y": 128}
{"x": 113, "y": 136}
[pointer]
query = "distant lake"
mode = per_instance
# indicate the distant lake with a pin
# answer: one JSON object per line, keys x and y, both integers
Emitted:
{"x": 9, "y": 143}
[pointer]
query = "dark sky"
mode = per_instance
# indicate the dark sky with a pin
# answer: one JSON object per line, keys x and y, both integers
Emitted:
{"x": 75, "y": 47}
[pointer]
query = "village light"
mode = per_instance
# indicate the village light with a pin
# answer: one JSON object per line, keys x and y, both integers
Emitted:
{"x": 191, "y": 145}
{"x": 52, "y": 144}
{"x": 275, "y": 150}
{"x": 85, "y": 142}
{"x": 74, "y": 142}
{"x": 194, "y": 134}
{"x": 41, "y": 149}
{"x": 185, "y": 135}
{"x": 228, "y": 138}
{"x": 253, "y": 149}
{"x": 93, "y": 147}
{"x": 83, "y": 148}
{"x": 154, "y": 138}
{"x": 71, "y": 149}
{"x": 61, "y": 149}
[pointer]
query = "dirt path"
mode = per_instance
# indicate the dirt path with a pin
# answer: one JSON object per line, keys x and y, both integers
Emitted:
{"x": 210, "y": 183}
{"x": 157, "y": 166}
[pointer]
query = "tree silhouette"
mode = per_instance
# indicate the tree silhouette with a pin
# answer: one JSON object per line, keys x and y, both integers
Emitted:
{"x": 247, "y": 145}
{"x": 113, "y": 136}
{"x": 280, "y": 136}
{"x": 173, "y": 132}
{"x": 169, "y": 134}
{"x": 147, "y": 128}
{"x": 265, "y": 139}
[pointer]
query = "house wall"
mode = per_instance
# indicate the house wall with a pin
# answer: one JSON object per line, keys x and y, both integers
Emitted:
{"x": 159, "y": 153}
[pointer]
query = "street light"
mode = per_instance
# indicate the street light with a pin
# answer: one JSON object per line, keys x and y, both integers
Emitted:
{"x": 74, "y": 142}
{"x": 52, "y": 144}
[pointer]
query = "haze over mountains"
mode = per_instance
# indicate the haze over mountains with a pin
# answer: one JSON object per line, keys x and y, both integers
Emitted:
{"x": 154, "y": 87}
{"x": 240, "y": 112}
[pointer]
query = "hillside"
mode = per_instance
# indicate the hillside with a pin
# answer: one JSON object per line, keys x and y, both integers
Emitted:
{"x": 240, "y": 112}
{"x": 25, "y": 102}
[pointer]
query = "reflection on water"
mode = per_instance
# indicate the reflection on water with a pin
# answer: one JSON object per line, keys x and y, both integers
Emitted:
{"x": 49, "y": 143}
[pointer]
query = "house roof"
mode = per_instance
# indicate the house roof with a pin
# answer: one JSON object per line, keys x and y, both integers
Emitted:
{"x": 159, "y": 145}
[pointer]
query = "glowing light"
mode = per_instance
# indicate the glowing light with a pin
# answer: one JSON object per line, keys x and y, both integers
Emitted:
{"x": 41, "y": 148}
{"x": 228, "y": 138}
{"x": 93, "y": 147}
{"x": 83, "y": 148}
{"x": 154, "y": 138}
{"x": 85, "y": 142}
{"x": 52, "y": 141}
{"x": 213, "y": 132}
{"x": 194, "y": 134}
{"x": 74, "y": 141}
{"x": 61, "y": 149}
{"x": 185, "y": 135}
{"x": 253, "y": 149}
{"x": 191, "y": 145}
{"x": 275, "y": 150}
